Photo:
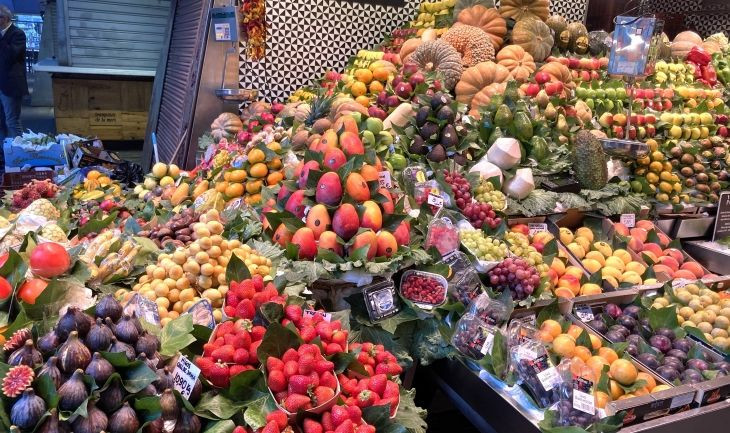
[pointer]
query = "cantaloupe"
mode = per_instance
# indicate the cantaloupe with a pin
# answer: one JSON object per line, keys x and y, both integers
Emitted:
{"x": 684, "y": 42}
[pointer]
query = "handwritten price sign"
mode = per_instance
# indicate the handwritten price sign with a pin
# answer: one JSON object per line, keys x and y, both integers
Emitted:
{"x": 184, "y": 376}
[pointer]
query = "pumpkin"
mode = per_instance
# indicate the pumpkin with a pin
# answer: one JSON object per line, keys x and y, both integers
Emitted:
{"x": 711, "y": 47}
{"x": 519, "y": 62}
{"x": 226, "y": 125}
{"x": 558, "y": 72}
{"x": 471, "y": 42}
{"x": 520, "y": 9}
{"x": 465, "y": 4}
{"x": 484, "y": 97}
{"x": 478, "y": 77}
{"x": 557, "y": 24}
{"x": 533, "y": 36}
{"x": 576, "y": 29}
{"x": 487, "y": 19}
{"x": 439, "y": 56}
{"x": 408, "y": 48}
{"x": 684, "y": 42}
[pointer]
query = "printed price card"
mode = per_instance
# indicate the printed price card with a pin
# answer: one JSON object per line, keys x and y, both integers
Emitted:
{"x": 184, "y": 376}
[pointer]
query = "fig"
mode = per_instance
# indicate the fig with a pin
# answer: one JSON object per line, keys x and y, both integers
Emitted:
{"x": 626, "y": 321}
{"x": 48, "y": 343}
{"x": 73, "y": 320}
{"x": 147, "y": 344}
{"x": 661, "y": 343}
{"x": 124, "y": 420}
{"x": 418, "y": 146}
{"x": 613, "y": 310}
{"x": 668, "y": 372}
{"x": 599, "y": 325}
{"x": 151, "y": 363}
{"x": 112, "y": 397}
{"x": 73, "y": 354}
{"x": 187, "y": 423}
{"x": 50, "y": 369}
{"x": 26, "y": 355}
{"x": 73, "y": 392}
{"x": 51, "y": 423}
{"x": 448, "y": 137}
{"x": 437, "y": 154}
{"x": 648, "y": 359}
{"x": 439, "y": 99}
{"x": 164, "y": 380}
{"x": 632, "y": 310}
{"x": 446, "y": 113}
{"x": 99, "y": 369}
{"x": 99, "y": 337}
{"x": 156, "y": 426}
{"x": 196, "y": 392}
{"x": 95, "y": 421}
{"x": 422, "y": 115}
{"x": 683, "y": 344}
{"x": 27, "y": 410}
{"x": 697, "y": 364}
{"x": 428, "y": 131}
{"x": 122, "y": 347}
{"x": 148, "y": 391}
{"x": 168, "y": 405}
{"x": 126, "y": 331}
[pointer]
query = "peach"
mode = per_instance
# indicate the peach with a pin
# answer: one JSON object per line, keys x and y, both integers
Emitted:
{"x": 621, "y": 229}
{"x": 685, "y": 274}
{"x": 664, "y": 269}
{"x": 574, "y": 271}
{"x": 639, "y": 234}
{"x": 693, "y": 267}
{"x": 645, "y": 224}
{"x": 670, "y": 262}
{"x": 564, "y": 292}
{"x": 649, "y": 256}
{"x": 570, "y": 282}
{"x": 553, "y": 276}
{"x": 663, "y": 239}
{"x": 677, "y": 254}
{"x": 654, "y": 248}
{"x": 558, "y": 265}
{"x": 636, "y": 244}
{"x": 590, "y": 289}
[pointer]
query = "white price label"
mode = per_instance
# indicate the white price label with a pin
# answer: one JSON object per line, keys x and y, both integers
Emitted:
{"x": 629, "y": 220}
{"x": 327, "y": 317}
{"x": 549, "y": 378}
{"x": 435, "y": 200}
{"x": 681, "y": 400}
{"x": 488, "y": 344}
{"x": 384, "y": 180}
{"x": 222, "y": 32}
{"x": 601, "y": 413}
{"x": 525, "y": 352}
{"x": 184, "y": 376}
{"x": 537, "y": 228}
{"x": 584, "y": 313}
{"x": 584, "y": 402}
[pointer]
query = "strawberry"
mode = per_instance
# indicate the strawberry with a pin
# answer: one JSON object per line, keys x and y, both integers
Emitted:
{"x": 311, "y": 349}
{"x": 239, "y": 429}
{"x": 369, "y": 370}
{"x": 328, "y": 379}
{"x": 393, "y": 402}
{"x": 278, "y": 416}
{"x": 324, "y": 330}
{"x": 224, "y": 328}
{"x": 257, "y": 333}
{"x": 235, "y": 369}
{"x": 377, "y": 384}
{"x": 336, "y": 325}
{"x": 218, "y": 375}
{"x": 246, "y": 309}
{"x": 346, "y": 427}
{"x": 312, "y": 426}
{"x": 258, "y": 282}
{"x": 273, "y": 363}
{"x": 291, "y": 368}
{"x": 230, "y": 310}
{"x": 281, "y": 396}
{"x": 294, "y": 402}
{"x": 204, "y": 363}
{"x": 245, "y": 338}
{"x": 306, "y": 364}
{"x": 365, "y": 428}
{"x": 389, "y": 368}
{"x": 322, "y": 394}
{"x": 293, "y": 313}
{"x": 323, "y": 365}
{"x": 224, "y": 353}
{"x": 271, "y": 293}
{"x": 339, "y": 337}
{"x": 392, "y": 390}
{"x": 327, "y": 423}
{"x": 277, "y": 381}
{"x": 271, "y": 427}
{"x": 339, "y": 415}
{"x": 290, "y": 355}
{"x": 232, "y": 299}
{"x": 349, "y": 386}
{"x": 253, "y": 356}
{"x": 208, "y": 348}
{"x": 383, "y": 357}
{"x": 355, "y": 413}
{"x": 308, "y": 333}
{"x": 366, "y": 398}
{"x": 363, "y": 357}
{"x": 315, "y": 379}
{"x": 333, "y": 348}
{"x": 240, "y": 356}
{"x": 299, "y": 384}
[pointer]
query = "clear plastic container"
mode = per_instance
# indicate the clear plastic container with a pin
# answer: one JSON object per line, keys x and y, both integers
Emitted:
{"x": 472, "y": 337}
{"x": 424, "y": 289}
{"x": 533, "y": 365}
{"x": 464, "y": 282}
{"x": 443, "y": 235}
{"x": 577, "y": 405}
{"x": 491, "y": 311}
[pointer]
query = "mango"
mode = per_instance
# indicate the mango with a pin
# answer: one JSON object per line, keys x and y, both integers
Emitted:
{"x": 402, "y": 234}
{"x": 304, "y": 239}
{"x": 387, "y": 245}
{"x": 369, "y": 173}
{"x": 345, "y": 221}
{"x": 283, "y": 194}
{"x": 309, "y": 165}
{"x": 372, "y": 217}
{"x": 334, "y": 158}
{"x": 351, "y": 144}
{"x": 318, "y": 219}
{"x": 329, "y": 189}
{"x": 366, "y": 238}
{"x": 328, "y": 241}
{"x": 282, "y": 236}
{"x": 294, "y": 203}
{"x": 328, "y": 141}
{"x": 356, "y": 187}
{"x": 388, "y": 206}
{"x": 345, "y": 124}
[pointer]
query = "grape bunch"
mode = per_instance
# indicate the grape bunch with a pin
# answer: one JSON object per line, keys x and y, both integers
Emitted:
{"x": 32, "y": 191}
{"x": 485, "y": 192}
{"x": 481, "y": 214}
{"x": 515, "y": 275}
{"x": 483, "y": 247}
{"x": 519, "y": 245}
{"x": 460, "y": 187}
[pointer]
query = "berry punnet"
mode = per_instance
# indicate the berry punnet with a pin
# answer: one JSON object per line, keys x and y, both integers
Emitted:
{"x": 232, "y": 349}
{"x": 423, "y": 288}
{"x": 371, "y": 391}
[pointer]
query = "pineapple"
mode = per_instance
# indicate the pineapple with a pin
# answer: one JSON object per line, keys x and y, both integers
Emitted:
{"x": 54, "y": 233}
{"x": 319, "y": 108}
{"x": 222, "y": 158}
{"x": 42, "y": 207}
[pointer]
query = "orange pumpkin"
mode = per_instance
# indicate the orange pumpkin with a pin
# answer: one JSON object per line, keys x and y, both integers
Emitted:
{"x": 520, "y": 9}
{"x": 558, "y": 72}
{"x": 519, "y": 62}
{"x": 487, "y": 19}
{"x": 408, "y": 48}
{"x": 484, "y": 97}
{"x": 476, "y": 78}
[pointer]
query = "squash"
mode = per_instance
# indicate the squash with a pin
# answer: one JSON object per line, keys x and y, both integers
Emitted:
{"x": 489, "y": 20}
{"x": 519, "y": 62}
{"x": 476, "y": 78}
{"x": 557, "y": 24}
{"x": 408, "y": 48}
{"x": 684, "y": 42}
{"x": 484, "y": 97}
{"x": 439, "y": 56}
{"x": 558, "y": 72}
{"x": 521, "y": 9}
{"x": 711, "y": 47}
{"x": 576, "y": 29}
{"x": 400, "y": 116}
{"x": 505, "y": 153}
{"x": 534, "y": 36}
{"x": 521, "y": 185}
{"x": 226, "y": 125}
{"x": 471, "y": 42}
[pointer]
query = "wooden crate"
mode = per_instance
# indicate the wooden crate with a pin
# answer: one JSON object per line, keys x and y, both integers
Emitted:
{"x": 105, "y": 108}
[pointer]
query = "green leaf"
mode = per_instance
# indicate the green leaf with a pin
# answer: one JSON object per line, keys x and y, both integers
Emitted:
{"x": 46, "y": 304}
{"x": 550, "y": 311}
{"x": 633, "y": 387}
{"x": 246, "y": 386}
{"x": 137, "y": 378}
{"x": 663, "y": 318}
{"x": 224, "y": 426}
{"x": 177, "y": 335}
{"x": 584, "y": 340}
{"x": 391, "y": 323}
{"x": 549, "y": 424}
{"x": 236, "y": 270}
{"x": 255, "y": 415}
{"x": 46, "y": 389}
{"x": 217, "y": 407}
{"x": 409, "y": 415}
{"x": 272, "y": 312}
{"x": 14, "y": 269}
{"x": 378, "y": 416}
{"x": 276, "y": 341}
{"x": 97, "y": 225}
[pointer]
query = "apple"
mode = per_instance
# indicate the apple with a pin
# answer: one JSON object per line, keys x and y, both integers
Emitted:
{"x": 585, "y": 75}
{"x": 667, "y": 105}
{"x": 574, "y": 63}
{"x": 618, "y": 131}
{"x": 595, "y": 64}
{"x": 632, "y": 132}
{"x": 650, "y": 118}
{"x": 595, "y": 75}
{"x": 532, "y": 89}
{"x": 606, "y": 119}
{"x": 650, "y": 130}
{"x": 542, "y": 77}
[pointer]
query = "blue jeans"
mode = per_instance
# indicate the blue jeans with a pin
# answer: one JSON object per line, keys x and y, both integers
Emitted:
{"x": 10, "y": 116}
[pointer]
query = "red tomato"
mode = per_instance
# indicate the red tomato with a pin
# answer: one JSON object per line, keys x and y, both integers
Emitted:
{"x": 30, "y": 290}
{"x": 5, "y": 288}
{"x": 49, "y": 260}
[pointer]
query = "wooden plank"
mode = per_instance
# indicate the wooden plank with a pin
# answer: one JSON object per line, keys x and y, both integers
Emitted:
{"x": 105, "y": 118}
{"x": 104, "y": 94}
{"x": 72, "y": 125}
{"x": 70, "y": 96}
{"x": 107, "y": 132}
{"x": 135, "y": 95}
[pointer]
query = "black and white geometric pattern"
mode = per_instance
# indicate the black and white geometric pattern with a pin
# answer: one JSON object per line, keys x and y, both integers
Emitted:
{"x": 305, "y": 38}
{"x": 704, "y": 24}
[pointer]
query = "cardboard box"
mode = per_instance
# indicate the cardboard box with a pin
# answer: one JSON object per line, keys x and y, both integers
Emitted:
{"x": 18, "y": 157}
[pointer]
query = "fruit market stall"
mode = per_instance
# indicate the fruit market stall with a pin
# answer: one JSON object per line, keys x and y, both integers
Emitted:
{"x": 479, "y": 200}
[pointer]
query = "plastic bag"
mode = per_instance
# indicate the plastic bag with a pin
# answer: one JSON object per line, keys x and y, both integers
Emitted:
{"x": 578, "y": 403}
{"x": 472, "y": 337}
{"x": 491, "y": 311}
{"x": 533, "y": 365}
{"x": 443, "y": 235}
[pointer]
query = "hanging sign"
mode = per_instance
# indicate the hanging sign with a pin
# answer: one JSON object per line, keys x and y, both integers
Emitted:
{"x": 630, "y": 48}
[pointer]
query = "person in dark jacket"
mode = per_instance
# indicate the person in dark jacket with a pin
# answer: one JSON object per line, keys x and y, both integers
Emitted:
{"x": 13, "y": 85}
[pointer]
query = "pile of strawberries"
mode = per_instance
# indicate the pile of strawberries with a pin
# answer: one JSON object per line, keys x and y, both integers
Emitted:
{"x": 245, "y": 297}
{"x": 376, "y": 360}
{"x": 302, "y": 378}
{"x": 312, "y": 324}
{"x": 339, "y": 419}
{"x": 231, "y": 351}
{"x": 371, "y": 391}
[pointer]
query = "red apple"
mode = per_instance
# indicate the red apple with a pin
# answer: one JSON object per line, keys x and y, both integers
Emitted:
{"x": 542, "y": 77}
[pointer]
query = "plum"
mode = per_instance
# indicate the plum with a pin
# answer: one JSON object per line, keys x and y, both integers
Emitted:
{"x": 645, "y": 322}
{"x": 649, "y": 359}
{"x": 615, "y": 336}
{"x": 621, "y": 329}
{"x": 668, "y": 372}
{"x": 632, "y": 310}
{"x": 722, "y": 366}
{"x": 683, "y": 344}
{"x": 673, "y": 362}
{"x": 626, "y": 321}
{"x": 691, "y": 376}
{"x": 632, "y": 350}
{"x": 661, "y": 343}
{"x": 599, "y": 325}
{"x": 634, "y": 339}
{"x": 676, "y": 353}
{"x": 613, "y": 310}
{"x": 667, "y": 333}
{"x": 697, "y": 364}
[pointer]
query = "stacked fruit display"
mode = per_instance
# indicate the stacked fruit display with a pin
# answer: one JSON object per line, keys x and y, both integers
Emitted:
{"x": 244, "y": 298}
{"x": 367, "y": 82}
{"x": 262, "y": 167}
{"x": 231, "y": 350}
{"x": 431, "y": 14}
{"x": 658, "y": 173}
{"x": 97, "y": 186}
{"x": 32, "y": 191}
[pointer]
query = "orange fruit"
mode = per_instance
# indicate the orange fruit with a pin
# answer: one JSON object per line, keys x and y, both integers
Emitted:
{"x": 626, "y": 396}
{"x": 275, "y": 163}
{"x": 574, "y": 331}
{"x": 616, "y": 390}
{"x": 564, "y": 345}
{"x": 226, "y": 175}
{"x": 381, "y": 74}
{"x": 253, "y": 199}
{"x": 602, "y": 399}
{"x": 358, "y": 88}
{"x": 364, "y": 75}
{"x": 253, "y": 186}
{"x": 641, "y": 391}
{"x": 596, "y": 363}
{"x": 259, "y": 170}
{"x": 274, "y": 177}
{"x": 624, "y": 372}
{"x": 363, "y": 100}
{"x": 552, "y": 327}
{"x": 650, "y": 381}
{"x": 375, "y": 87}
{"x": 544, "y": 336}
{"x": 234, "y": 190}
{"x": 221, "y": 186}
{"x": 369, "y": 173}
{"x": 595, "y": 342}
{"x": 608, "y": 354}
{"x": 237, "y": 175}
{"x": 582, "y": 352}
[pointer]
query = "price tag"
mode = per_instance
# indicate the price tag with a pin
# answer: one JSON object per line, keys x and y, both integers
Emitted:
{"x": 584, "y": 402}
{"x": 629, "y": 220}
{"x": 536, "y": 228}
{"x": 327, "y": 317}
{"x": 524, "y": 351}
{"x": 681, "y": 400}
{"x": 549, "y": 378}
{"x": 202, "y": 312}
{"x": 435, "y": 200}
{"x": 488, "y": 344}
{"x": 184, "y": 376}
{"x": 384, "y": 180}
{"x": 584, "y": 313}
{"x": 601, "y": 413}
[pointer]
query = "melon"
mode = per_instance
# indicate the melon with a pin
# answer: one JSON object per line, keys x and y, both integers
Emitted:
{"x": 684, "y": 42}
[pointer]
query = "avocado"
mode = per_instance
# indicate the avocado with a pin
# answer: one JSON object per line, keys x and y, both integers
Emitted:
{"x": 429, "y": 130}
{"x": 422, "y": 115}
{"x": 449, "y": 137}
{"x": 437, "y": 154}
